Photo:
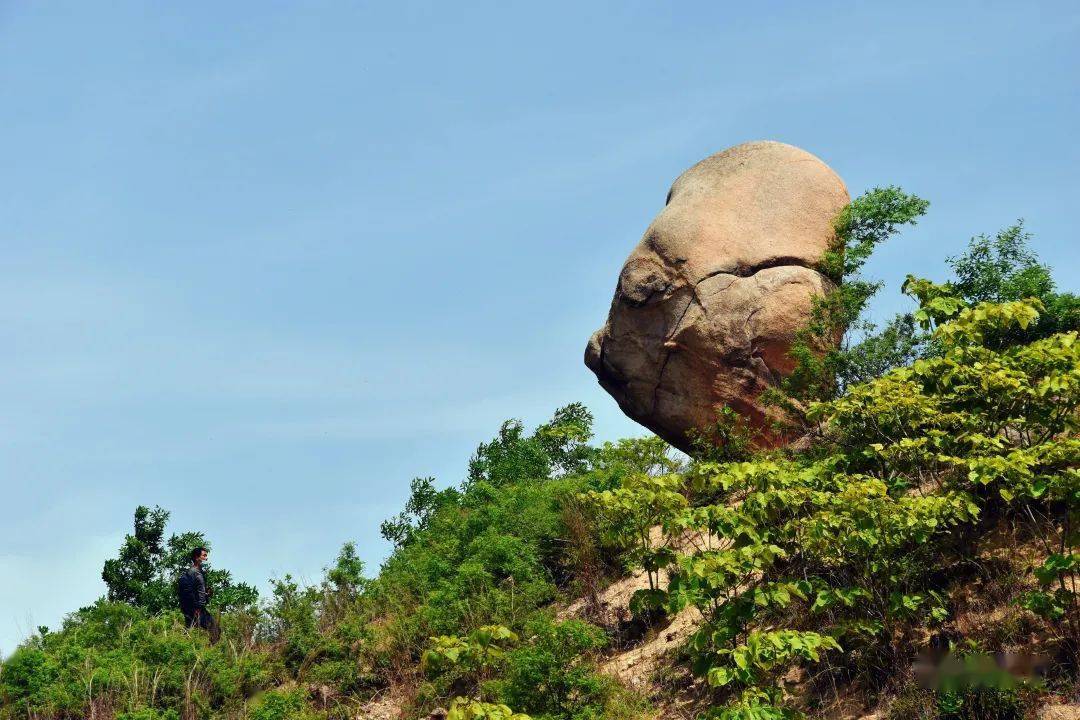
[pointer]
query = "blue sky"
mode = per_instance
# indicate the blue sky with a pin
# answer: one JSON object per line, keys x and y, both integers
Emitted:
{"x": 265, "y": 262}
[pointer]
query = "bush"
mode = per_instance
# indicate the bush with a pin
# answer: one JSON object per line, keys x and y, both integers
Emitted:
{"x": 491, "y": 552}
{"x": 554, "y": 675}
{"x": 115, "y": 655}
{"x": 149, "y": 714}
{"x": 281, "y": 705}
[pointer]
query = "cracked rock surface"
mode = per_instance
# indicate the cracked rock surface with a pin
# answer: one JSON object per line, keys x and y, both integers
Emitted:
{"x": 707, "y": 304}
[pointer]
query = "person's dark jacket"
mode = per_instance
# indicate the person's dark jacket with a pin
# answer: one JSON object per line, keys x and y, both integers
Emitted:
{"x": 192, "y": 590}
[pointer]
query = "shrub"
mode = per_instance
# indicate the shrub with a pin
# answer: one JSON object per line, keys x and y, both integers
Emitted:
{"x": 554, "y": 675}
{"x": 115, "y": 655}
{"x": 149, "y": 714}
{"x": 281, "y": 705}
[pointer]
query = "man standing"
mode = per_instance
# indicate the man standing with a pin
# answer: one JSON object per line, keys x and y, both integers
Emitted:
{"x": 194, "y": 595}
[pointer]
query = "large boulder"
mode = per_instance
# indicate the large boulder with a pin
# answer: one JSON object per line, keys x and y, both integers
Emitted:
{"x": 708, "y": 303}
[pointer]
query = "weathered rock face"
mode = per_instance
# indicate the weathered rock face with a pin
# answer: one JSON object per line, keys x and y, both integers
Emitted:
{"x": 709, "y": 301}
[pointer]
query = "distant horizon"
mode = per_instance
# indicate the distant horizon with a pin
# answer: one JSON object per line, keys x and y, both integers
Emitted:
{"x": 266, "y": 265}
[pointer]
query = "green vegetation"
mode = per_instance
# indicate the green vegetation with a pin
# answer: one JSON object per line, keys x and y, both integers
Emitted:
{"x": 114, "y": 657}
{"x": 822, "y": 369}
{"x": 832, "y": 563}
{"x": 550, "y": 676}
{"x": 945, "y": 434}
{"x": 483, "y": 558}
{"x": 144, "y": 573}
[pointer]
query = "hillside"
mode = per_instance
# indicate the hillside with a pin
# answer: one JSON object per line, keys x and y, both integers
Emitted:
{"x": 913, "y": 555}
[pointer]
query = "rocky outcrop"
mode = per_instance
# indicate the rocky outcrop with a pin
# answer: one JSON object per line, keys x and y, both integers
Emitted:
{"x": 708, "y": 303}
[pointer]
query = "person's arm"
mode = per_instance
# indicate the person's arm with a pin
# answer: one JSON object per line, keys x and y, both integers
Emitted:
{"x": 200, "y": 591}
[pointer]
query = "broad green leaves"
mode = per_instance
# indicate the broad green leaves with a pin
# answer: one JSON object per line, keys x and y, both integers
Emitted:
{"x": 469, "y": 709}
{"x": 1058, "y": 578}
{"x": 629, "y": 514}
{"x": 765, "y": 650}
{"x": 480, "y": 649}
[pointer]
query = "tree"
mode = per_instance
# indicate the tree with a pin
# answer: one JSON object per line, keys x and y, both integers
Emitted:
{"x": 565, "y": 439}
{"x": 145, "y": 571}
{"x": 1003, "y": 269}
{"x": 998, "y": 269}
{"x": 820, "y": 349}
{"x": 559, "y": 448}
{"x": 346, "y": 577}
{"x": 424, "y": 501}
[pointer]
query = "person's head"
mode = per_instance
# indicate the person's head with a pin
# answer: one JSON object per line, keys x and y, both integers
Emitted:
{"x": 198, "y": 556}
